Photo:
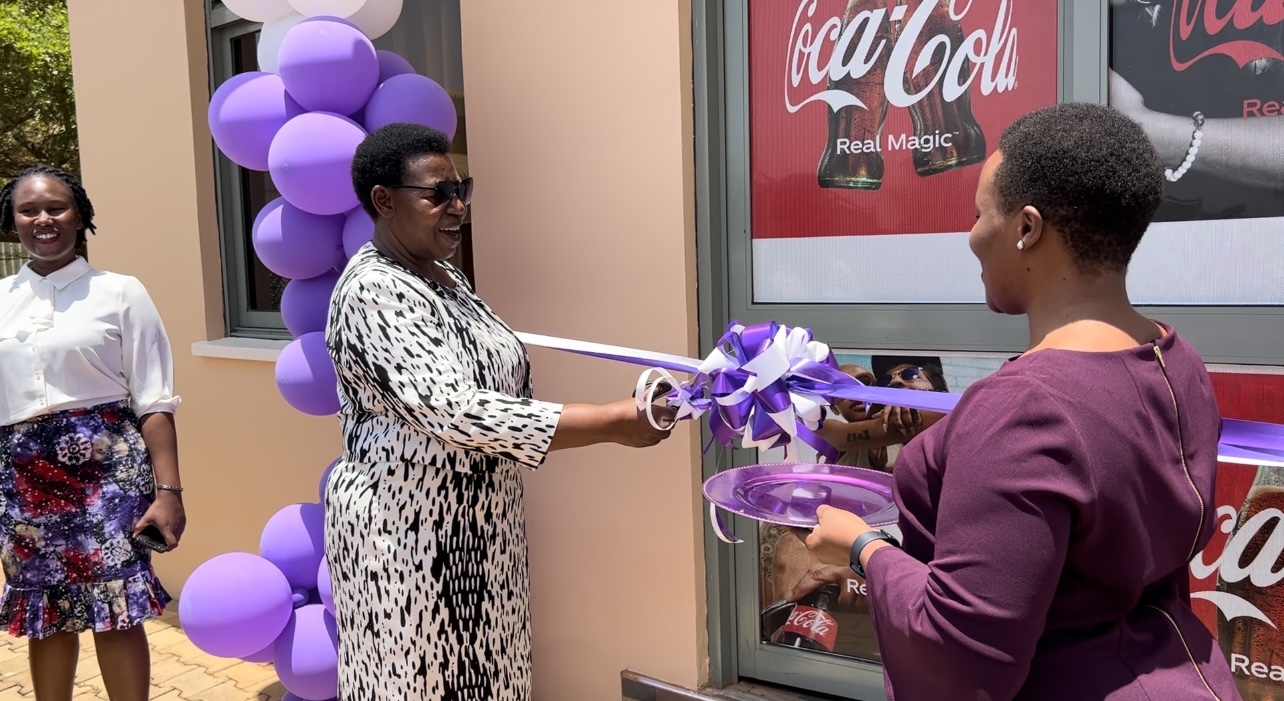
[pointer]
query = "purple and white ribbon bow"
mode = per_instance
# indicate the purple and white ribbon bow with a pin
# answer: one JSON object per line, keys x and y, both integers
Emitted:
{"x": 768, "y": 384}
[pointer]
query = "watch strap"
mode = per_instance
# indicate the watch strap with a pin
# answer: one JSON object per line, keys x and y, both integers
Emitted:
{"x": 863, "y": 540}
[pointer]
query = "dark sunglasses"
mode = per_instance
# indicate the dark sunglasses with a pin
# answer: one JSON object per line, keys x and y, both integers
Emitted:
{"x": 906, "y": 375}
{"x": 445, "y": 191}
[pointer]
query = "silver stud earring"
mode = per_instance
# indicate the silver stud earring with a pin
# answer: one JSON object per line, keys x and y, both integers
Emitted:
{"x": 1021, "y": 245}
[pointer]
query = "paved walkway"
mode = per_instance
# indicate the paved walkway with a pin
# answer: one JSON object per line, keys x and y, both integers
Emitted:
{"x": 179, "y": 670}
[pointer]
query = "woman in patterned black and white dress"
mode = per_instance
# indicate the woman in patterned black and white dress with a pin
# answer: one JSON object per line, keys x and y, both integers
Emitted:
{"x": 424, "y": 516}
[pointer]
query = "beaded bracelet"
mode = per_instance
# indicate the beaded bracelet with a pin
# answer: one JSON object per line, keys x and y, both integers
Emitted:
{"x": 169, "y": 488}
{"x": 1196, "y": 139}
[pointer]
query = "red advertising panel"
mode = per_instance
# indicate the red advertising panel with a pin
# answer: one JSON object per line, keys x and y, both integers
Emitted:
{"x": 1235, "y": 581}
{"x": 873, "y": 116}
{"x": 869, "y": 121}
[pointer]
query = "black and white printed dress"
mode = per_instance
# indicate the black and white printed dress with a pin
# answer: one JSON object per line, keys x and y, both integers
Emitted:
{"x": 424, "y": 517}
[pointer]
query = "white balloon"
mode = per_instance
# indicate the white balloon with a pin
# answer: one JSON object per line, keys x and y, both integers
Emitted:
{"x": 342, "y": 9}
{"x": 376, "y": 17}
{"x": 258, "y": 10}
{"x": 270, "y": 38}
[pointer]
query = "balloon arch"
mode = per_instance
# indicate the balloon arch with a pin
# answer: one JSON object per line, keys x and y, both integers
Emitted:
{"x": 322, "y": 86}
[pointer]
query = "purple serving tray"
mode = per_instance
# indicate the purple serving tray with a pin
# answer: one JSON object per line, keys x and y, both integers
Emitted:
{"x": 788, "y": 493}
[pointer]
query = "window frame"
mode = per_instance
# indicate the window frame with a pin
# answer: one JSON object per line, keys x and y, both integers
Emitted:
{"x": 1238, "y": 335}
{"x": 240, "y": 321}
{"x": 238, "y": 257}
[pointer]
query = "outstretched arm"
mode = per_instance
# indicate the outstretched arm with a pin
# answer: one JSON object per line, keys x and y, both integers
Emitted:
{"x": 1247, "y": 151}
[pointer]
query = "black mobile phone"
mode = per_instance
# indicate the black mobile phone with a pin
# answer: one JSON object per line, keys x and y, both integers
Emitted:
{"x": 152, "y": 538}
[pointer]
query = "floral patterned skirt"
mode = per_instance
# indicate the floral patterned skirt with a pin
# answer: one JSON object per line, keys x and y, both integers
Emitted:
{"x": 72, "y": 486}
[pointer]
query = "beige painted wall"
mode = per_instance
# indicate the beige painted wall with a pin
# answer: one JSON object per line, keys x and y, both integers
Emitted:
{"x": 580, "y": 137}
{"x": 142, "y": 88}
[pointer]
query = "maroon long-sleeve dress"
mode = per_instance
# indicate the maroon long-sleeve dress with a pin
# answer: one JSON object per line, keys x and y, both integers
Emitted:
{"x": 1047, "y": 526}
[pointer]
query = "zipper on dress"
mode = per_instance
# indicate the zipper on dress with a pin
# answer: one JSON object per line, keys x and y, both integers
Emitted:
{"x": 1189, "y": 656}
{"x": 1181, "y": 449}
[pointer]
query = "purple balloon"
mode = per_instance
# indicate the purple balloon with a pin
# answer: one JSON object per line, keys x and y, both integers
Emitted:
{"x": 306, "y": 656}
{"x": 391, "y": 64}
{"x": 324, "y": 587}
{"x": 294, "y": 541}
{"x": 311, "y": 162}
{"x": 328, "y": 65}
{"x": 412, "y": 98}
{"x": 235, "y": 604}
{"x": 264, "y": 655}
{"x": 325, "y": 479}
{"x": 246, "y": 112}
{"x": 305, "y": 376}
{"x": 295, "y": 244}
{"x": 305, "y": 304}
{"x": 294, "y": 697}
{"x": 358, "y": 229}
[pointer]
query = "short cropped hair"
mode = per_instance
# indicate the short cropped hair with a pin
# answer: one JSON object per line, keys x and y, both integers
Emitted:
{"x": 382, "y": 157}
{"x": 1091, "y": 172}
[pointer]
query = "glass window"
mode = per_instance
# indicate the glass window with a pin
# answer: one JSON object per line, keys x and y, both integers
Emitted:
{"x": 1206, "y": 80}
{"x": 842, "y": 144}
{"x": 831, "y": 198}
{"x": 427, "y": 34}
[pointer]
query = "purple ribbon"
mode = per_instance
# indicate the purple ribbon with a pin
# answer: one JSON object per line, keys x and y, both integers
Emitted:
{"x": 764, "y": 384}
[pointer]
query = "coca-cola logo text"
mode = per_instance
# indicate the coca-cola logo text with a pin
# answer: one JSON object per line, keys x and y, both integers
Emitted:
{"x": 1189, "y": 15}
{"x": 816, "y": 57}
{"x": 812, "y": 622}
{"x": 1232, "y": 569}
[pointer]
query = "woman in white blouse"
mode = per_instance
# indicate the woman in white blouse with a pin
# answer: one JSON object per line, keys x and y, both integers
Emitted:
{"x": 89, "y": 480}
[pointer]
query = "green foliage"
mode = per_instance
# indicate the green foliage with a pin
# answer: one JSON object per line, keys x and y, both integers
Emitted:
{"x": 37, "y": 102}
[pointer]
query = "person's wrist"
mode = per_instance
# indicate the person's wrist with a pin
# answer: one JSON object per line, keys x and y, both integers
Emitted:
{"x": 869, "y": 550}
{"x": 1172, "y": 137}
{"x": 615, "y": 417}
{"x": 169, "y": 496}
{"x": 864, "y": 546}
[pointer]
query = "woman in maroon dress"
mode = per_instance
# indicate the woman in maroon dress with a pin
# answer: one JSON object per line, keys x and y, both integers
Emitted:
{"x": 1048, "y": 521}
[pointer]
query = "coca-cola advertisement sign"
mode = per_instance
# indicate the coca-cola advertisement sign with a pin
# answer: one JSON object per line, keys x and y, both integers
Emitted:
{"x": 871, "y": 118}
{"x": 882, "y": 100}
{"x": 1236, "y": 581}
{"x": 1205, "y": 78}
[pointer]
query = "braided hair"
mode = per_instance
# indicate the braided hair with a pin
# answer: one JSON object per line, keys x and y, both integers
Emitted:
{"x": 84, "y": 207}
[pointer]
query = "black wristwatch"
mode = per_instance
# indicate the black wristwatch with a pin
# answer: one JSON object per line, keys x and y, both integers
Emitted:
{"x": 865, "y": 539}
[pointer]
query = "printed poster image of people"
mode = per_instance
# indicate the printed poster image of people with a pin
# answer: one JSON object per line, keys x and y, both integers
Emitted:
{"x": 805, "y": 603}
{"x": 1206, "y": 80}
